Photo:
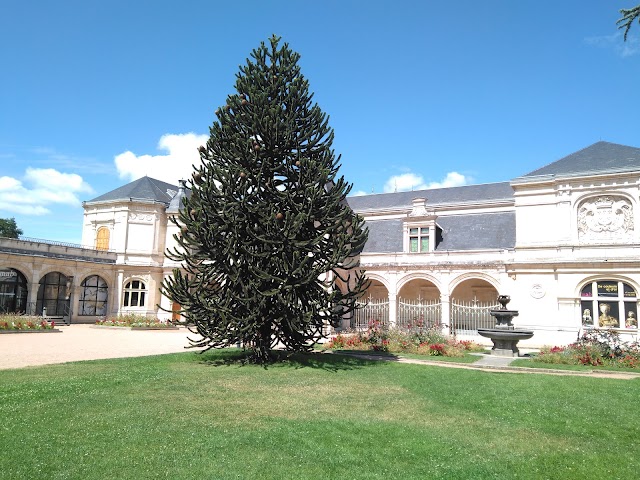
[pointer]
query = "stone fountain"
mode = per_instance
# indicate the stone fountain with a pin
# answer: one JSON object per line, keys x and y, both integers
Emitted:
{"x": 504, "y": 335}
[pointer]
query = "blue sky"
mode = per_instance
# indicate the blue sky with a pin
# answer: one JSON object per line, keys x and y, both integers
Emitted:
{"x": 94, "y": 94}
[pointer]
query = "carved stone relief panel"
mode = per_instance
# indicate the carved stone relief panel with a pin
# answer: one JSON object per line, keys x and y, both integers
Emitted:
{"x": 605, "y": 218}
{"x": 141, "y": 217}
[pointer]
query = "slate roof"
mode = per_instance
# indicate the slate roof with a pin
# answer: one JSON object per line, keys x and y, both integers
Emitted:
{"x": 385, "y": 236}
{"x": 477, "y": 232}
{"x": 599, "y": 157}
{"x": 459, "y": 232}
{"x": 178, "y": 200}
{"x": 145, "y": 188}
{"x": 434, "y": 196}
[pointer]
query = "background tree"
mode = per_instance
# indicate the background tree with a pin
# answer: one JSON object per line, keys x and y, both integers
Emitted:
{"x": 628, "y": 16}
{"x": 9, "y": 228}
{"x": 266, "y": 231}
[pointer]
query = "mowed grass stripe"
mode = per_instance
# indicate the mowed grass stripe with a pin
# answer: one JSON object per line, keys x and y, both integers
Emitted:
{"x": 313, "y": 416}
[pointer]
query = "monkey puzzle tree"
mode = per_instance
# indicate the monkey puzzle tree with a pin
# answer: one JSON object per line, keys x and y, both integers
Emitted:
{"x": 267, "y": 241}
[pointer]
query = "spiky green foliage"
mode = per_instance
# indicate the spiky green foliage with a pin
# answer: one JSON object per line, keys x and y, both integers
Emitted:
{"x": 268, "y": 243}
{"x": 627, "y": 19}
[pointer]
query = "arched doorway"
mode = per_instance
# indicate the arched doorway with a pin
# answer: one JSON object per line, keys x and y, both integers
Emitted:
{"x": 471, "y": 301}
{"x": 13, "y": 291}
{"x": 419, "y": 304}
{"x": 374, "y": 306}
{"x": 54, "y": 290}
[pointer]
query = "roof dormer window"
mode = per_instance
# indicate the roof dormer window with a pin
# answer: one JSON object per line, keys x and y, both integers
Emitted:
{"x": 420, "y": 228}
{"x": 419, "y": 239}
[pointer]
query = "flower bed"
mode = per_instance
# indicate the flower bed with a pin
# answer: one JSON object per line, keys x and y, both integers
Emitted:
{"x": 136, "y": 321}
{"x": 24, "y": 323}
{"x": 595, "y": 348}
{"x": 428, "y": 341}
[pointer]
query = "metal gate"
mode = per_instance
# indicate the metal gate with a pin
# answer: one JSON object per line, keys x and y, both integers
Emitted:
{"x": 374, "y": 310}
{"x": 468, "y": 317}
{"x": 419, "y": 313}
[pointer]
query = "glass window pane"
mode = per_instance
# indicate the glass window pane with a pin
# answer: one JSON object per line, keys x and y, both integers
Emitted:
{"x": 134, "y": 299}
{"x": 587, "y": 314}
{"x": 607, "y": 288}
{"x": 629, "y": 291}
{"x": 126, "y": 299}
{"x": 608, "y": 316}
{"x": 424, "y": 231}
{"x": 413, "y": 231}
{"x": 424, "y": 244}
{"x": 631, "y": 320}
{"x": 141, "y": 299}
{"x": 413, "y": 244}
{"x": 587, "y": 290}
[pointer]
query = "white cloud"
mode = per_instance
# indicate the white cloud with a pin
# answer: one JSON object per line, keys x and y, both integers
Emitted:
{"x": 412, "y": 181}
{"x": 45, "y": 186}
{"x": 452, "y": 179}
{"x": 182, "y": 154}
{"x": 404, "y": 182}
{"x": 359, "y": 193}
{"x": 617, "y": 43}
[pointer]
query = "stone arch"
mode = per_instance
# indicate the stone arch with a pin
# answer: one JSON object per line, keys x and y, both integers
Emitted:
{"x": 93, "y": 296}
{"x": 418, "y": 285}
{"x": 54, "y": 291}
{"x": 608, "y": 301}
{"x": 419, "y": 277}
{"x": 474, "y": 286}
{"x": 14, "y": 287}
{"x": 604, "y": 276}
{"x": 378, "y": 287}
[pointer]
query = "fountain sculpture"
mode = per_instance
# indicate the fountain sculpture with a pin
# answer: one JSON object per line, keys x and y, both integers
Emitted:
{"x": 504, "y": 335}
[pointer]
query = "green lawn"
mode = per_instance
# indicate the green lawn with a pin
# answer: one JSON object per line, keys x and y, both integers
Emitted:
{"x": 313, "y": 417}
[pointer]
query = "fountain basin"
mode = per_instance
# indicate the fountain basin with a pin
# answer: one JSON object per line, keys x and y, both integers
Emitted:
{"x": 505, "y": 340}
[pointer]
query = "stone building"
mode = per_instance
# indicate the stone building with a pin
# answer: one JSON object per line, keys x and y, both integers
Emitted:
{"x": 561, "y": 241}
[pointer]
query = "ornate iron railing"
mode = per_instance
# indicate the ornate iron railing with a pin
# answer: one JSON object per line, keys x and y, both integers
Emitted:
{"x": 373, "y": 310}
{"x": 468, "y": 316}
{"x": 418, "y": 313}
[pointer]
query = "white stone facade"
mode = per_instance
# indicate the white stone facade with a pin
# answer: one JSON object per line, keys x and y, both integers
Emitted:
{"x": 564, "y": 246}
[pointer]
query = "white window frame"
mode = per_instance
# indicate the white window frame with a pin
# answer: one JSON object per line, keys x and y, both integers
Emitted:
{"x": 620, "y": 304}
{"x": 130, "y": 291}
{"x": 424, "y": 230}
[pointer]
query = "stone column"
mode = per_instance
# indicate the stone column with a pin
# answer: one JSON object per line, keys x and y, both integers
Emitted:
{"x": 119, "y": 286}
{"x": 33, "y": 284}
{"x": 393, "y": 301}
{"x": 445, "y": 305}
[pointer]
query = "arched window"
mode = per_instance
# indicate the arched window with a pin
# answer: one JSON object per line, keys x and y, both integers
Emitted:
{"x": 134, "y": 293}
{"x": 102, "y": 239}
{"x": 52, "y": 294}
{"x": 607, "y": 303}
{"x": 13, "y": 291}
{"x": 93, "y": 296}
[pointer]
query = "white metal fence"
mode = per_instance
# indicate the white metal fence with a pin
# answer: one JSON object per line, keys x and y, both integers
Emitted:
{"x": 374, "y": 310}
{"x": 467, "y": 317}
{"x": 418, "y": 313}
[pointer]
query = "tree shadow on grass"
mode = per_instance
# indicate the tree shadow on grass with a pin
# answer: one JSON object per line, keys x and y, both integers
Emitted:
{"x": 281, "y": 359}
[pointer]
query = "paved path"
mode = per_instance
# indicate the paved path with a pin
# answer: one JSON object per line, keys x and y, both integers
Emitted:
{"x": 86, "y": 342}
{"x": 501, "y": 365}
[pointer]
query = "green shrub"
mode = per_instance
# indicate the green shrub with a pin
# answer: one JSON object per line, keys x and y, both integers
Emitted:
{"x": 13, "y": 321}
{"x": 594, "y": 348}
{"x": 134, "y": 320}
{"x": 428, "y": 341}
